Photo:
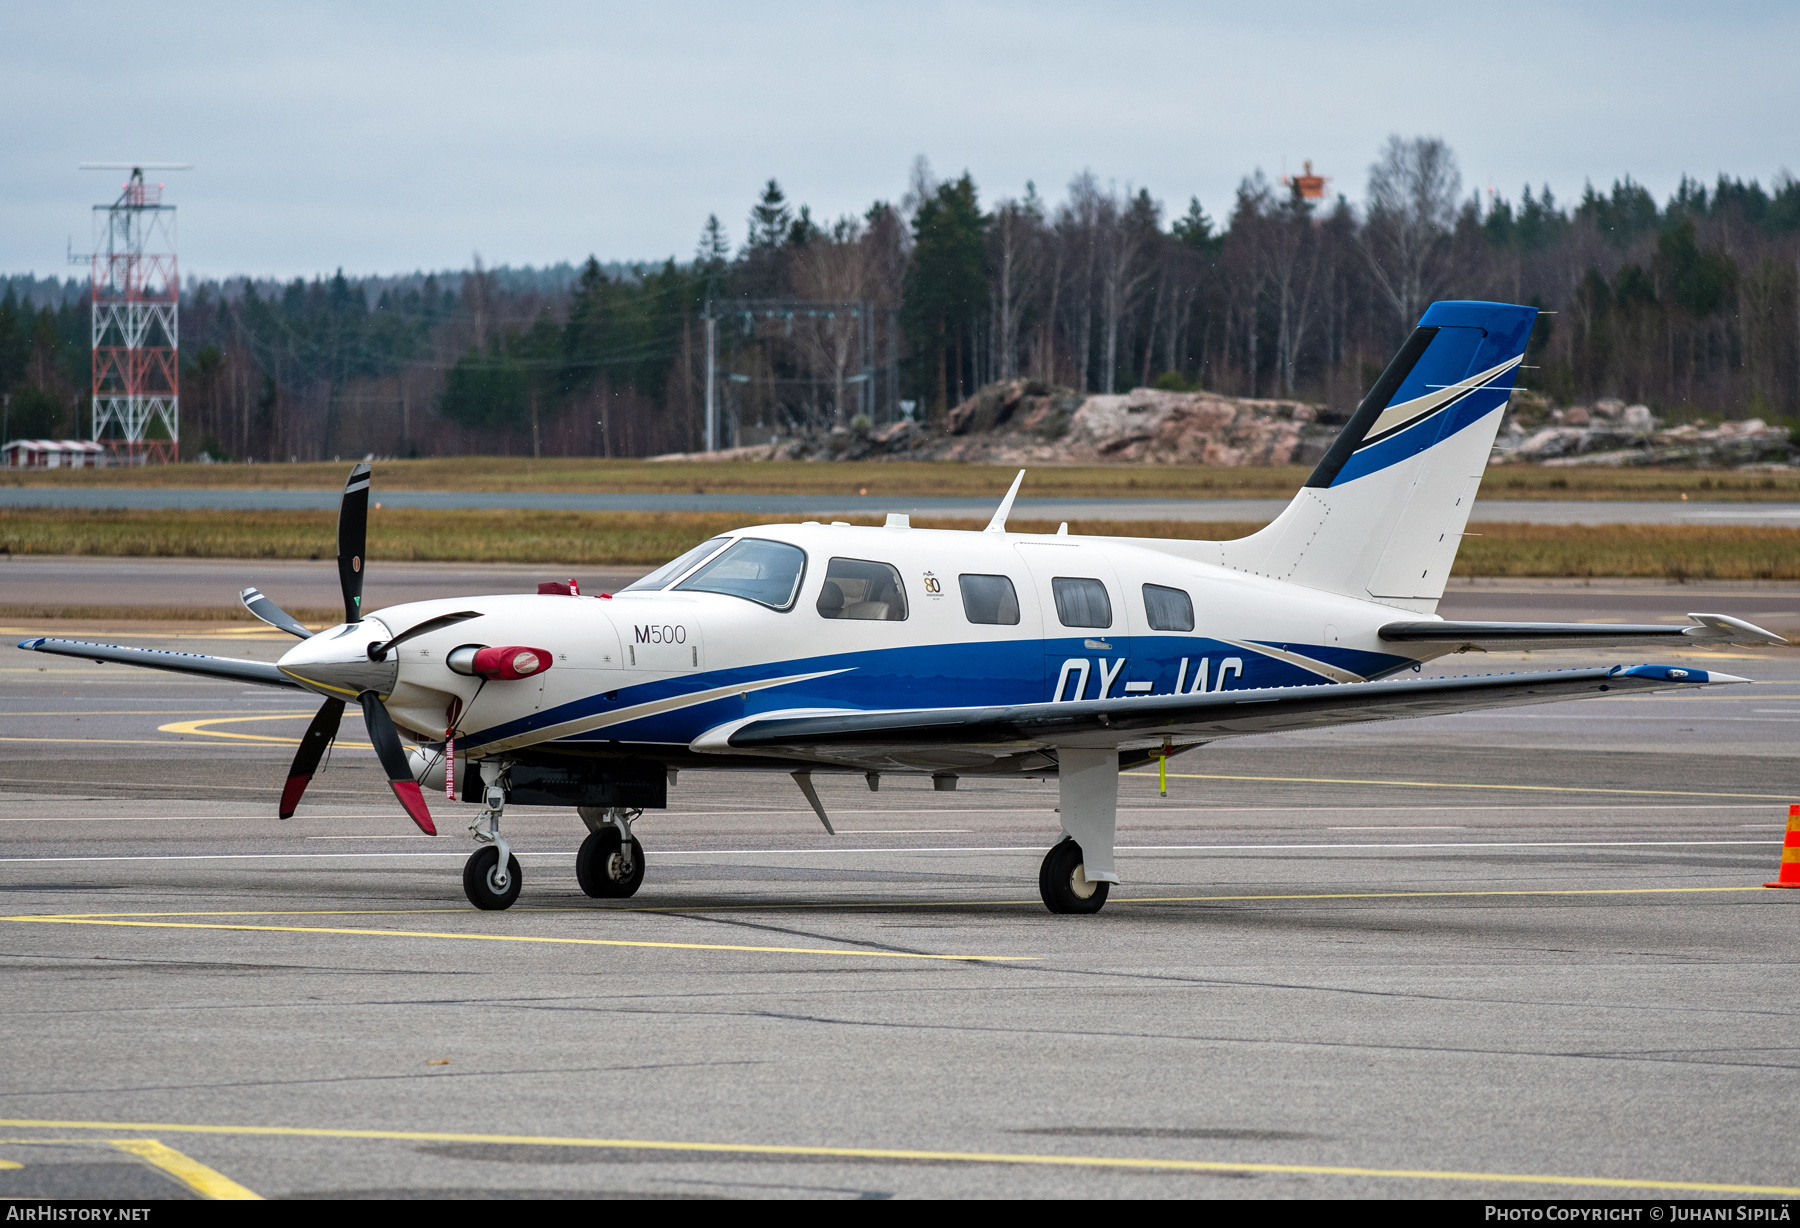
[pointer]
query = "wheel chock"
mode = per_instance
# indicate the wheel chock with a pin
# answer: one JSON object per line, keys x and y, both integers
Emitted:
{"x": 1790, "y": 852}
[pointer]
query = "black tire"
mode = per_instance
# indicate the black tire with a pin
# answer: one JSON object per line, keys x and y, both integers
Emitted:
{"x": 598, "y": 866}
{"x": 1058, "y": 885}
{"x": 477, "y": 872}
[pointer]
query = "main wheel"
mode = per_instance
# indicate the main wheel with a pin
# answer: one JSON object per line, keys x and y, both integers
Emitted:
{"x": 1064, "y": 884}
{"x": 600, "y": 866}
{"x": 479, "y": 873}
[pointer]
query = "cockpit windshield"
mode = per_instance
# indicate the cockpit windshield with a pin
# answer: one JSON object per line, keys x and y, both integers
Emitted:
{"x": 765, "y": 572}
{"x": 668, "y": 572}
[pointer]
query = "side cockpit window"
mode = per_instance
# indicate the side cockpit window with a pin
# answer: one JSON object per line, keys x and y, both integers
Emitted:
{"x": 755, "y": 569}
{"x": 990, "y": 599}
{"x": 1081, "y": 602}
{"x": 862, "y": 589}
{"x": 1168, "y": 609}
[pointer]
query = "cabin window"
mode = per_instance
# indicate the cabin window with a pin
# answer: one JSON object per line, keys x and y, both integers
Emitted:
{"x": 1169, "y": 609}
{"x": 765, "y": 572}
{"x": 1081, "y": 602}
{"x": 663, "y": 576}
{"x": 990, "y": 599}
{"x": 859, "y": 588}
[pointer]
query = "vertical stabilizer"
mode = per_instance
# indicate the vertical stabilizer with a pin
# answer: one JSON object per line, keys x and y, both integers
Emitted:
{"x": 1382, "y": 515}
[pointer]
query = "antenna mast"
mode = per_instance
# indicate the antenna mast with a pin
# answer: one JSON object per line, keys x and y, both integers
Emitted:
{"x": 135, "y": 292}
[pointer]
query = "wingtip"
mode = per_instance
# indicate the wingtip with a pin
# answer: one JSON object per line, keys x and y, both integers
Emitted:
{"x": 1675, "y": 674}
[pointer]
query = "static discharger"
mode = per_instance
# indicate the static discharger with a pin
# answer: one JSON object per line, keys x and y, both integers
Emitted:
{"x": 1790, "y": 852}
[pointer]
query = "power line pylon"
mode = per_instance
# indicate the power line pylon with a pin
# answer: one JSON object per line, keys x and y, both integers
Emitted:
{"x": 135, "y": 292}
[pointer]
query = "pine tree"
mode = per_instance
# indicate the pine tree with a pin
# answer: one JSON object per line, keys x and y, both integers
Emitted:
{"x": 714, "y": 250}
{"x": 946, "y": 284}
{"x": 770, "y": 219}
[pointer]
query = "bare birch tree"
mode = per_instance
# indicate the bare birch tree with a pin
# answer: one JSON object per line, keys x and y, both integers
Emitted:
{"x": 1413, "y": 190}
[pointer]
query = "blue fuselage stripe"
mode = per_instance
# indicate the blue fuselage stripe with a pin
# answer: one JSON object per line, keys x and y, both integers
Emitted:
{"x": 1000, "y": 672}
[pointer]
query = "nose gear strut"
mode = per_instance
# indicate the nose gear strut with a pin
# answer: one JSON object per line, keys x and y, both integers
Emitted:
{"x": 491, "y": 877}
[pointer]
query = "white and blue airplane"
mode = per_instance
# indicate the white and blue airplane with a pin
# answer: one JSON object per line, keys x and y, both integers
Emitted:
{"x": 833, "y": 648}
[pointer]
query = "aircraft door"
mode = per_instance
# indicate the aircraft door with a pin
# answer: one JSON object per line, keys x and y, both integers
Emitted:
{"x": 1087, "y": 639}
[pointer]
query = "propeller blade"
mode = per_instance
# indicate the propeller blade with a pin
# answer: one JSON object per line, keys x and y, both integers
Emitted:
{"x": 318, "y": 736}
{"x": 273, "y": 614}
{"x": 352, "y": 535}
{"x": 393, "y": 761}
{"x": 379, "y": 651}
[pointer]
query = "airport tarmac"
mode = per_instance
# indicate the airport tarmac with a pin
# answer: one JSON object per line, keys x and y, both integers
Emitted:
{"x": 1503, "y": 955}
{"x": 1528, "y": 511}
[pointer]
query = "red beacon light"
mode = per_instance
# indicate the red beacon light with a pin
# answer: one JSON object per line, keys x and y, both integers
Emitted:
{"x": 506, "y": 664}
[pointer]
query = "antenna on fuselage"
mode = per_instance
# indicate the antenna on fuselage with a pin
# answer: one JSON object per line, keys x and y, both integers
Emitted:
{"x": 998, "y": 523}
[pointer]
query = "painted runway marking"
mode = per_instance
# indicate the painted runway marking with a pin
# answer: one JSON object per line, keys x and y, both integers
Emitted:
{"x": 943, "y": 1157}
{"x": 949, "y": 848}
{"x": 579, "y": 942}
{"x": 198, "y": 728}
{"x": 204, "y": 1181}
{"x": 777, "y": 906}
{"x": 839, "y": 852}
{"x": 1438, "y": 784}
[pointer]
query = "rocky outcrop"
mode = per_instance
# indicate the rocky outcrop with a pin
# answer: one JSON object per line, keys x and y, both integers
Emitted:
{"x": 1021, "y": 422}
{"x": 1610, "y": 432}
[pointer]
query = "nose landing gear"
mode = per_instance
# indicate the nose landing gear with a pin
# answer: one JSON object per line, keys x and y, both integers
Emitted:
{"x": 610, "y": 865}
{"x": 491, "y": 876}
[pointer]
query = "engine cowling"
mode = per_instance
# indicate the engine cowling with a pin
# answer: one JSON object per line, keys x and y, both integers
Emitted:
{"x": 503, "y": 664}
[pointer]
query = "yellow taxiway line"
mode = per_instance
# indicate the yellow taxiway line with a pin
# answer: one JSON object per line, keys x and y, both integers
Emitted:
{"x": 942, "y": 1157}
{"x": 1440, "y": 784}
{"x": 198, "y": 728}
{"x": 204, "y": 1181}
{"x": 579, "y": 942}
{"x": 123, "y": 917}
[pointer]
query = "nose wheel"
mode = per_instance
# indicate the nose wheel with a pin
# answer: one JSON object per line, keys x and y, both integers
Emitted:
{"x": 1064, "y": 884}
{"x": 484, "y": 882}
{"x": 607, "y": 868}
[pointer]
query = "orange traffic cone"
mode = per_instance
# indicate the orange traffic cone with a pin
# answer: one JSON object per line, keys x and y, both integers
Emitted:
{"x": 1790, "y": 852}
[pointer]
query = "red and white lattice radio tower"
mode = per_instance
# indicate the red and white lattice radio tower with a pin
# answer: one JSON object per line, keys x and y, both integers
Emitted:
{"x": 136, "y": 294}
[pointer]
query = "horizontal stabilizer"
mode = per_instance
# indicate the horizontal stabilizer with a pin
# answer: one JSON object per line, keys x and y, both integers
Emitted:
{"x": 261, "y": 673}
{"x": 1706, "y": 629}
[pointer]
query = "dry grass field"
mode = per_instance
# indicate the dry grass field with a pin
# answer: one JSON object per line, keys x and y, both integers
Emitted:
{"x": 1689, "y": 552}
{"x": 897, "y": 478}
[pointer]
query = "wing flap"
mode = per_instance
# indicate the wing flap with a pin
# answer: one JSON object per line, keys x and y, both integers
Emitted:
{"x": 1219, "y": 714}
{"x": 260, "y": 673}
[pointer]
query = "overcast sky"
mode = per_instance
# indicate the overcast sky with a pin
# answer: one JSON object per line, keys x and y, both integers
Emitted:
{"x": 386, "y": 138}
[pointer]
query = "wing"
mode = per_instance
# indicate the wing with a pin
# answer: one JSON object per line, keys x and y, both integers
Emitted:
{"x": 259, "y": 672}
{"x": 914, "y": 737}
{"x": 1711, "y": 629}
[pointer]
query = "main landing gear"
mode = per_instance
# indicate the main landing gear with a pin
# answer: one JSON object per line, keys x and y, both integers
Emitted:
{"x": 1078, "y": 873}
{"x": 610, "y": 865}
{"x": 1064, "y": 884}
